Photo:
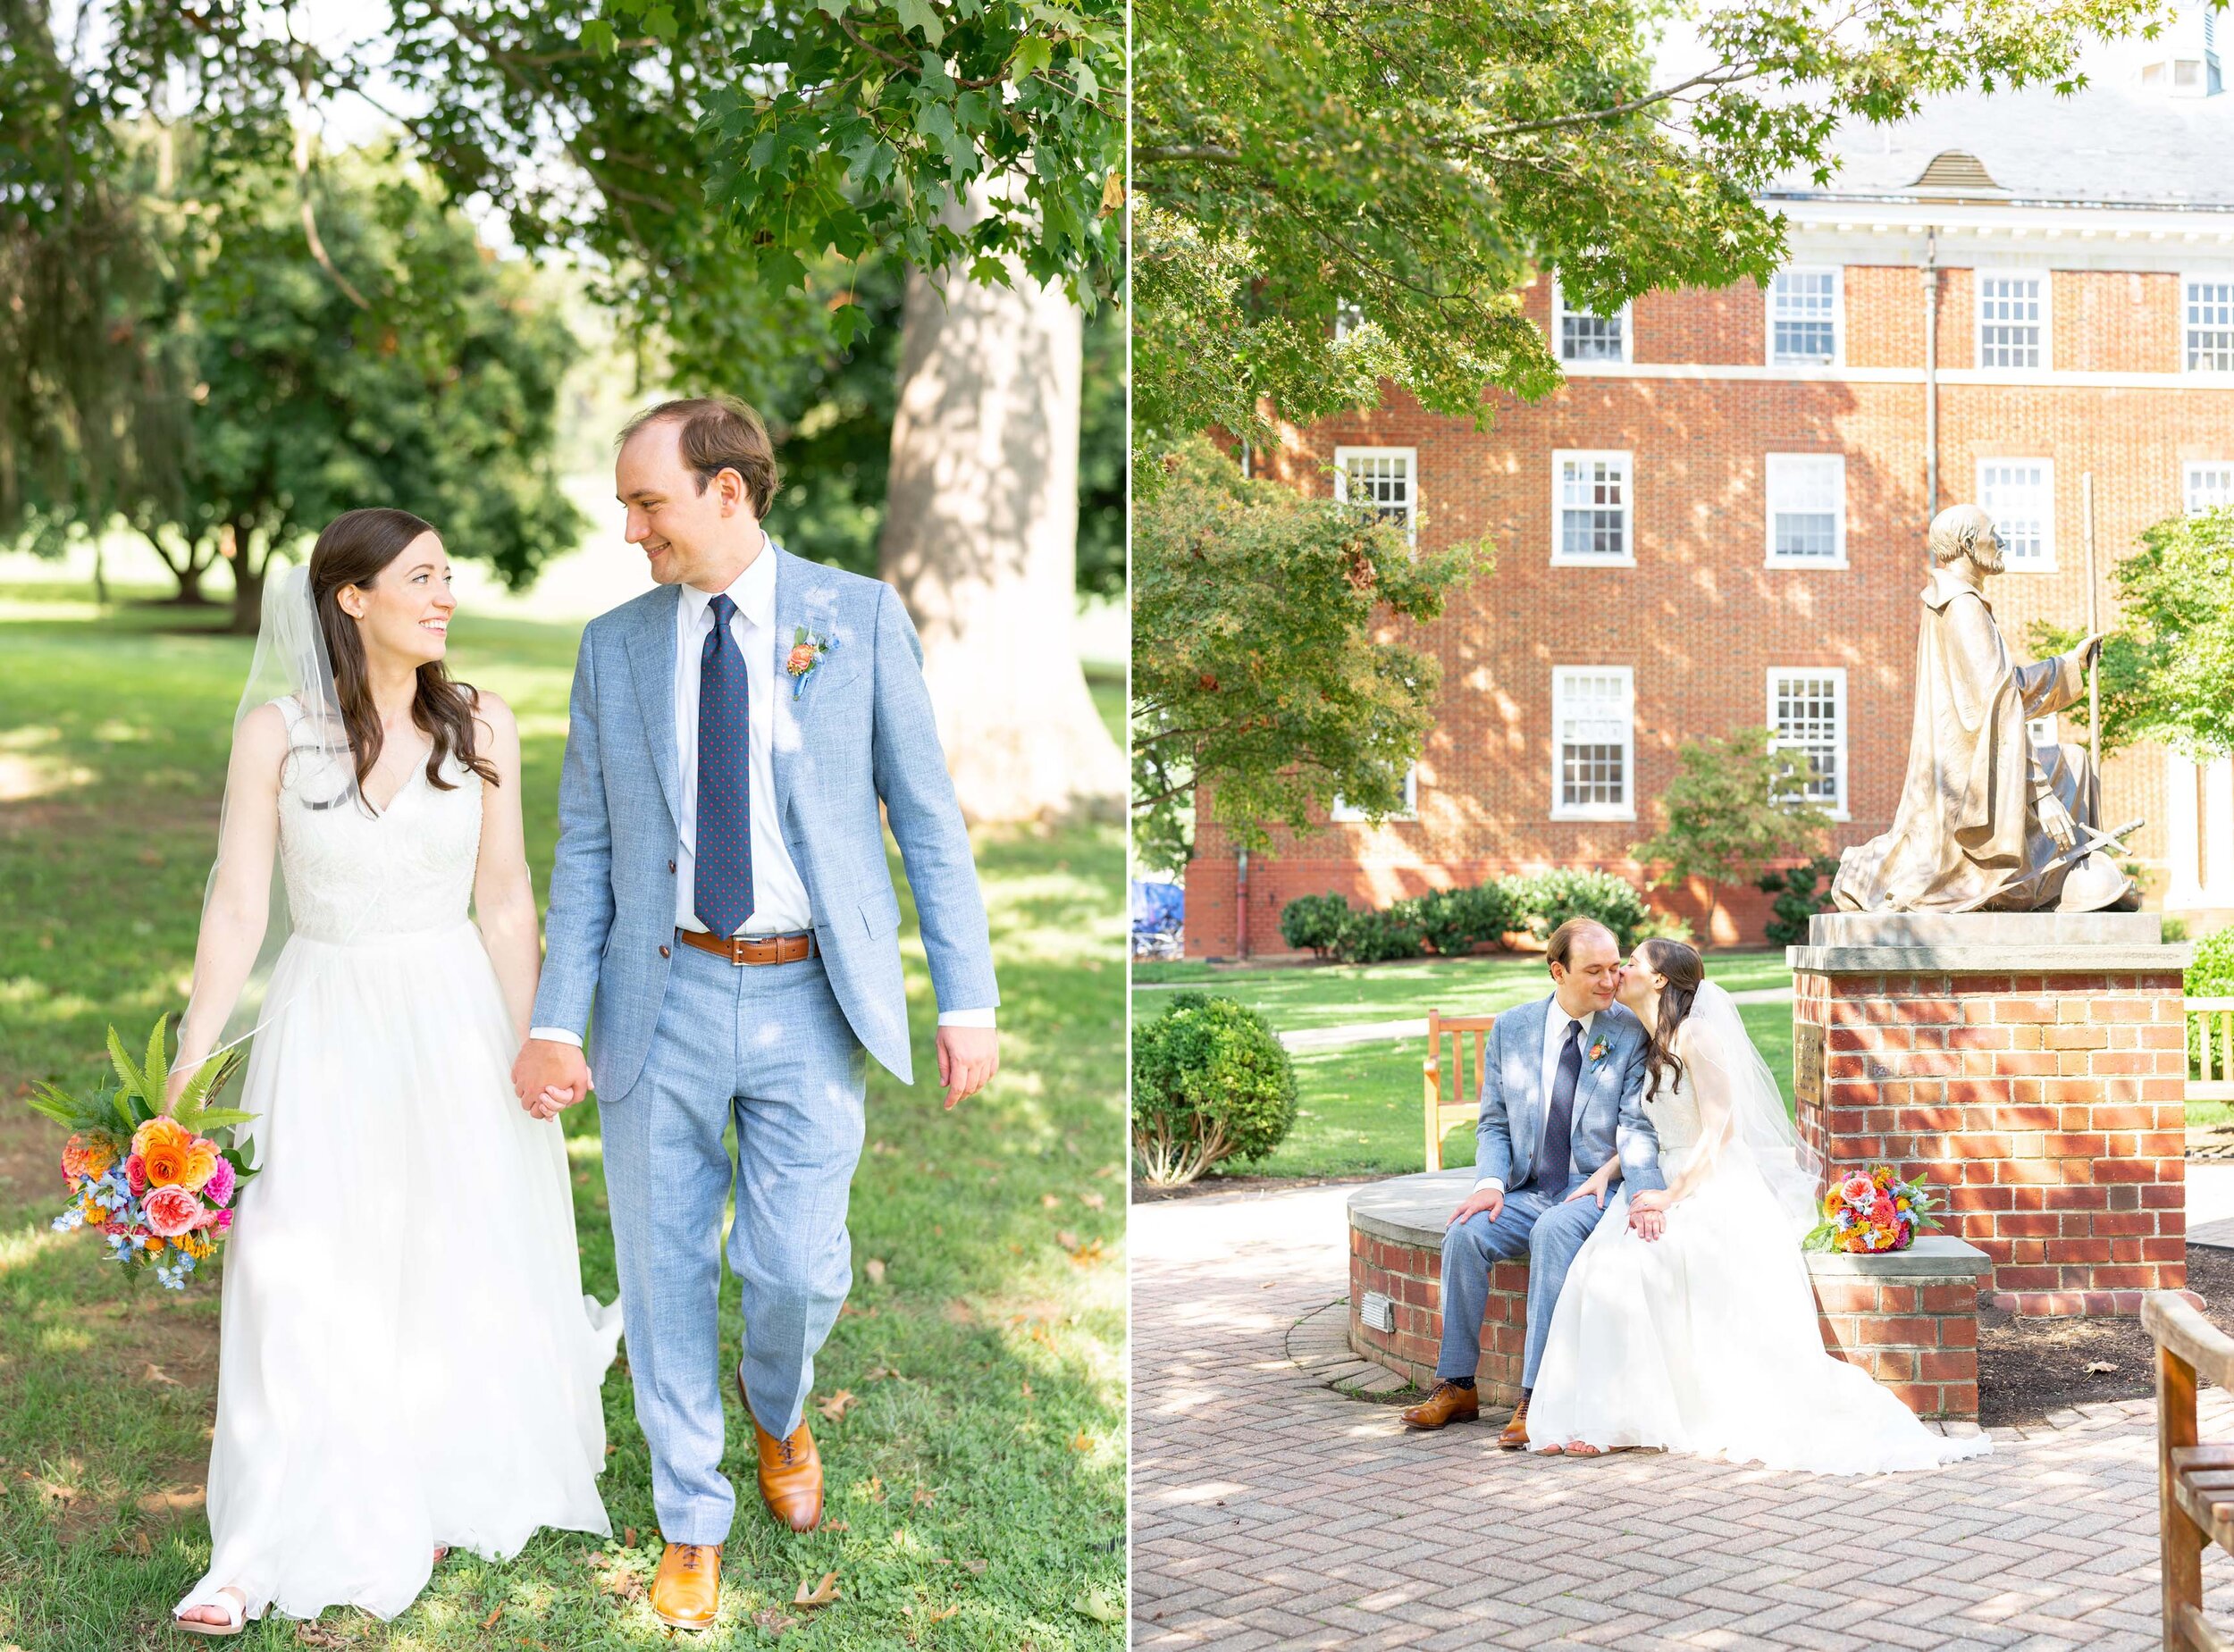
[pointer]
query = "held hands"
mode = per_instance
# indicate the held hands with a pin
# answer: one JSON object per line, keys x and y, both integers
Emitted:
{"x": 550, "y": 1076}
{"x": 1648, "y": 1212}
{"x": 968, "y": 1058}
{"x": 1595, "y": 1188}
{"x": 1490, "y": 1199}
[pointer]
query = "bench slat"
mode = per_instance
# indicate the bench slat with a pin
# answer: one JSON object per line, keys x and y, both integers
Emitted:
{"x": 2173, "y": 1323}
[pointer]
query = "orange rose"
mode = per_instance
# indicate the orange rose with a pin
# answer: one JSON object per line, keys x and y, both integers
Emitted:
{"x": 163, "y": 1145}
{"x": 801, "y": 659}
{"x": 201, "y": 1164}
{"x": 88, "y": 1155}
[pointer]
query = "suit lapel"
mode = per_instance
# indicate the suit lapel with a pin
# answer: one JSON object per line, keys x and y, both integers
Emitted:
{"x": 1527, "y": 1129}
{"x": 650, "y": 648}
{"x": 785, "y": 729}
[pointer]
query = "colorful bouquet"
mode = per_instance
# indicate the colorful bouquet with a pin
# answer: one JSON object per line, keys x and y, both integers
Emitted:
{"x": 159, "y": 1187}
{"x": 1871, "y": 1211}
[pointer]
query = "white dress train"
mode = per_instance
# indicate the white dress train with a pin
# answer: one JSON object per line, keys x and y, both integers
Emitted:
{"x": 1705, "y": 1341}
{"x": 406, "y": 1358}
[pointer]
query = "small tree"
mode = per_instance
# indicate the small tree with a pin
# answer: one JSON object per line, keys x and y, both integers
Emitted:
{"x": 1735, "y": 805}
{"x": 1210, "y": 1082}
{"x": 1259, "y": 665}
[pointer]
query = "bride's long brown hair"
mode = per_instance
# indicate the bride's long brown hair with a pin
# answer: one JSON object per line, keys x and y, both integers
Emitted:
{"x": 1685, "y": 969}
{"x": 355, "y": 548}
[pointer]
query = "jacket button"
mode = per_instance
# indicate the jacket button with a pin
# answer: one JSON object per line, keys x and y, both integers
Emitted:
{"x": 664, "y": 953}
{"x": 670, "y": 866}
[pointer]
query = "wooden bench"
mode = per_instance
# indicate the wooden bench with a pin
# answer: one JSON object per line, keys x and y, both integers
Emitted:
{"x": 1463, "y": 1103}
{"x": 2194, "y": 1483}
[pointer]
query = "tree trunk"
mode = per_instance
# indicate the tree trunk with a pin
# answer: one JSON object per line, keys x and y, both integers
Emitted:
{"x": 248, "y": 580}
{"x": 980, "y": 537}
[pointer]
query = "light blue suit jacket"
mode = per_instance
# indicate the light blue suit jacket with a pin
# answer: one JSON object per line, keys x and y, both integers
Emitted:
{"x": 860, "y": 731}
{"x": 1609, "y": 1109}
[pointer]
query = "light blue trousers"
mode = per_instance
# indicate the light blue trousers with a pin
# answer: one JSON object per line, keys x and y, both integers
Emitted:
{"x": 1547, "y": 1233}
{"x": 768, "y": 1047}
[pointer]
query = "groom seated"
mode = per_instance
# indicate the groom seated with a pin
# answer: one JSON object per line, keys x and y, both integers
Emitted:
{"x": 1562, "y": 1118}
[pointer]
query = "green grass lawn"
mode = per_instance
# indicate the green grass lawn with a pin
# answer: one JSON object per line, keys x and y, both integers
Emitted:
{"x": 1360, "y": 1107}
{"x": 975, "y": 1490}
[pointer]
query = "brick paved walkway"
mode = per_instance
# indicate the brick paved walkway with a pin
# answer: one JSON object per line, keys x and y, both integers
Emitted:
{"x": 1270, "y": 1511}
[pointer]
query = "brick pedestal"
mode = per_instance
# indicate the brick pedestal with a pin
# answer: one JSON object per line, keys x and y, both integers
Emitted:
{"x": 2031, "y": 1066}
{"x": 1910, "y": 1320}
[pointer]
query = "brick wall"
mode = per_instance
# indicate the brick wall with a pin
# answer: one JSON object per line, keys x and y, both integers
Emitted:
{"x": 1701, "y": 619}
{"x": 2048, "y": 1108}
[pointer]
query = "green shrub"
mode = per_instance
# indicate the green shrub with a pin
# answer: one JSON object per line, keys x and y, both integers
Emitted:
{"x": 2212, "y": 975}
{"x": 1210, "y": 1082}
{"x": 1800, "y": 893}
{"x": 2175, "y": 930}
{"x": 1455, "y": 921}
{"x": 1549, "y": 899}
{"x": 1370, "y": 938}
{"x": 1665, "y": 927}
{"x": 1313, "y": 922}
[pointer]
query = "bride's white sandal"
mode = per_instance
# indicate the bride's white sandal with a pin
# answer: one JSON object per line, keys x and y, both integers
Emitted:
{"x": 236, "y": 1612}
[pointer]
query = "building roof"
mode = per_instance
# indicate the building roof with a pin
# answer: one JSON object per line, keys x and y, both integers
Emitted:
{"x": 2117, "y": 141}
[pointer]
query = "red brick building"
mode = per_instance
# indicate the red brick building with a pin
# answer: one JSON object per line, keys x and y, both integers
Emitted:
{"x": 1720, "y": 520}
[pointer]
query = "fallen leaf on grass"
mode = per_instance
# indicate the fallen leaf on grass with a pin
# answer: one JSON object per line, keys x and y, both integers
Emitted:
{"x": 172, "y": 1502}
{"x": 847, "y": 1310}
{"x": 628, "y": 1537}
{"x": 878, "y": 1373}
{"x": 138, "y": 1546}
{"x": 1081, "y": 1441}
{"x": 1028, "y": 1390}
{"x": 1086, "y": 1255}
{"x": 2100, "y": 1367}
{"x": 776, "y": 1624}
{"x": 1050, "y": 1200}
{"x": 156, "y": 1373}
{"x": 875, "y": 1269}
{"x": 924, "y": 1494}
{"x": 942, "y": 1614}
{"x": 311, "y": 1635}
{"x": 835, "y": 1525}
{"x": 975, "y": 1568}
{"x": 1099, "y": 1607}
{"x": 821, "y": 1595}
{"x": 490, "y": 1621}
{"x": 835, "y": 1408}
{"x": 1092, "y": 1201}
{"x": 1066, "y": 1238}
{"x": 876, "y": 1489}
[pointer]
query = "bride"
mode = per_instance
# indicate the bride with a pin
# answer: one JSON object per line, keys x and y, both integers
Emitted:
{"x": 407, "y": 1360}
{"x": 1705, "y": 1340}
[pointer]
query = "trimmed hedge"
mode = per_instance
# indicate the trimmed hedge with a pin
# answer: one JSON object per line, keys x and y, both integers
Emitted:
{"x": 1455, "y": 921}
{"x": 1210, "y": 1082}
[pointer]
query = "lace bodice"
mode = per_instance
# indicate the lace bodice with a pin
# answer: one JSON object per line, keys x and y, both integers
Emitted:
{"x": 353, "y": 875}
{"x": 1673, "y": 1110}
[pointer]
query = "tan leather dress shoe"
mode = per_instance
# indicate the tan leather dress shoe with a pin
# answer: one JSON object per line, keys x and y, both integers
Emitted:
{"x": 790, "y": 1472}
{"x": 687, "y": 1592}
{"x": 1447, "y": 1402}
{"x": 1515, "y": 1435}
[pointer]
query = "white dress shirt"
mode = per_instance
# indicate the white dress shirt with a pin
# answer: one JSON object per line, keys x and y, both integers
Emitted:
{"x": 1555, "y": 1025}
{"x": 779, "y": 897}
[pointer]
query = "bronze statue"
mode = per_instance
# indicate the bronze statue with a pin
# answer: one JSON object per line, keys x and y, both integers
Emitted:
{"x": 1988, "y": 821}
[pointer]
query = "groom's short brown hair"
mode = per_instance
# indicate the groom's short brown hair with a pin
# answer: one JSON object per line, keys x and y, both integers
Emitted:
{"x": 720, "y": 432}
{"x": 1561, "y": 947}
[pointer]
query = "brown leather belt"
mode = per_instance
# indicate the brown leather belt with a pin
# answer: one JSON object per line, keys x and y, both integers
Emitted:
{"x": 752, "y": 949}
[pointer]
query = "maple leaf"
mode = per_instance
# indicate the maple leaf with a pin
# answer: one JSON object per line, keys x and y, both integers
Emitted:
{"x": 776, "y": 1624}
{"x": 821, "y": 1595}
{"x": 835, "y": 1408}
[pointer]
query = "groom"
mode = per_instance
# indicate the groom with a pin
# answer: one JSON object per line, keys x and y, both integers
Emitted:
{"x": 1562, "y": 1093}
{"x": 721, "y": 891}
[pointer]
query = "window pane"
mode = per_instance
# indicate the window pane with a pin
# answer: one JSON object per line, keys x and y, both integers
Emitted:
{"x": 1593, "y": 509}
{"x": 2209, "y": 487}
{"x": 1803, "y": 316}
{"x": 2211, "y": 326}
{"x": 1383, "y": 482}
{"x": 1807, "y": 498}
{"x": 2016, "y": 495}
{"x": 2009, "y": 321}
{"x": 1806, "y": 723}
{"x": 1591, "y": 710}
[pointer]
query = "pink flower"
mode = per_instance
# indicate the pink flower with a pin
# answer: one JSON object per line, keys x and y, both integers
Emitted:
{"x": 136, "y": 1173}
{"x": 173, "y": 1210}
{"x": 218, "y": 1188}
{"x": 1858, "y": 1189}
{"x": 224, "y": 1221}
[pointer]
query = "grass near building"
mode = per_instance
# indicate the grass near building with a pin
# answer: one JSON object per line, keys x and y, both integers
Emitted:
{"x": 976, "y": 1480}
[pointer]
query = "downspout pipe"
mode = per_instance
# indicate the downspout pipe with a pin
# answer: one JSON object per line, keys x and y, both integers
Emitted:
{"x": 1931, "y": 371}
{"x": 1240, "y": 903}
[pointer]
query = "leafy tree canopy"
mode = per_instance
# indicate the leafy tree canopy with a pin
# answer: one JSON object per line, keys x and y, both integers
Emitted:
{"x": 1259, "y": 665}
{"x": 1422, "y": 161}
{"x": 1735, "y": 805}
{"x": 2167, "y": 672}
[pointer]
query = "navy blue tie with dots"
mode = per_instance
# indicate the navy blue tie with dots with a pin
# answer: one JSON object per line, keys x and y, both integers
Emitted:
{"x": 1555, "y": 1150}
{"x": 722, "y": 890}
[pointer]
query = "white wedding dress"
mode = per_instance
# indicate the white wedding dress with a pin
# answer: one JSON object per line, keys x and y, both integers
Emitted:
{"x": 1705, "y": 1340}
{"x": 407, "y": 1357}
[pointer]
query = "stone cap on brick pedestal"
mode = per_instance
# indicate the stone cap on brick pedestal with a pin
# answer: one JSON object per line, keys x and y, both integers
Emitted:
{"x": 1411, "y": 1210}
{"x": 1988, "y": 944}
{"x": 1934, "y": 1256}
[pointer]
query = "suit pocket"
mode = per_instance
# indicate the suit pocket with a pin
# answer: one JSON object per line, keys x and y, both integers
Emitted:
{"x": 881, "y": 913}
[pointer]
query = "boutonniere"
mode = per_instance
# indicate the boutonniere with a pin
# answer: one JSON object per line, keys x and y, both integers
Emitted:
{"x": 807, "y": 650}
{"x": 1600, "y": 1049}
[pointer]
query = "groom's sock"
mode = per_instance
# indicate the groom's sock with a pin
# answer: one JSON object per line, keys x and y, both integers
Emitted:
{"x": 1460, "y": 1382}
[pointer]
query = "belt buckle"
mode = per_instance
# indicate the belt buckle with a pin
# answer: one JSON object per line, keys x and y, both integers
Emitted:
{"x": 736, "y": 950}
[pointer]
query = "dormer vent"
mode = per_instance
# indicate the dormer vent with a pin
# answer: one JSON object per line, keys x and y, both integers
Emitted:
{"x": 1955, "y": 169}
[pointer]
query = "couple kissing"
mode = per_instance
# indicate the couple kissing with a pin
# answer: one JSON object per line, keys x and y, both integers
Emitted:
{"x": 1635, "y": 1151}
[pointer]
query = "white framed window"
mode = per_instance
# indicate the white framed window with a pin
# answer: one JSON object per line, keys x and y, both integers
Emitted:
{"x": 1593, "y": 743}
{"x": 1384, "y": 478}
{"x": 2044, "y": 730}
{"x": 2207, "y": 315}
{"x": 1806, "y": 310}
{"x": 2013, "y": 319}
{"x": 2206, "y": 484}
{"x": 1807, "y": 717}
{"x": 1806, "y": 510}
{"x": 1579, "y": 336}
{"x": 1348, "y": 319}
{"x": 1342, "y": 814}
{"x": 2019, "y": 495}
{"x": 1593, "y": 509}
